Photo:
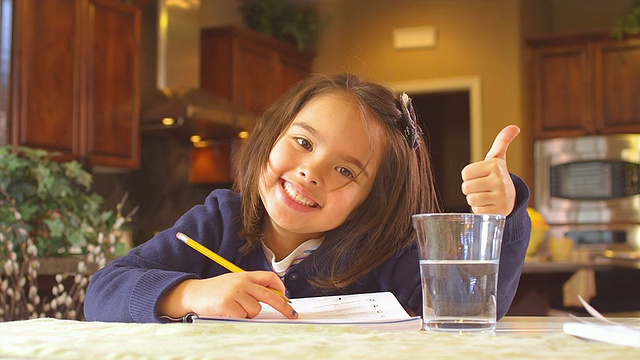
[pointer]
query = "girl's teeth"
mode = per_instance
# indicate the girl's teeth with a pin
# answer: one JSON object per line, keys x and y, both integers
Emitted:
{"x": 297, "y": 197}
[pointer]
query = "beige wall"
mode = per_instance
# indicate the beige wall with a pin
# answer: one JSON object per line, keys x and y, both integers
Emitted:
{"x": 475, "y": 38}
{"x": 219, "y": 13}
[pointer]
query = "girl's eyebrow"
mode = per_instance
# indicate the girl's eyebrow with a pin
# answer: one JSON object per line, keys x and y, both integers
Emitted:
{"x": 348, "y": 158}
{"x": 309, "y": 128}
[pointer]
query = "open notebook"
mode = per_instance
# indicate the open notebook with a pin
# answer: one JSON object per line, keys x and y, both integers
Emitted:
{"x": 372, "y": 310}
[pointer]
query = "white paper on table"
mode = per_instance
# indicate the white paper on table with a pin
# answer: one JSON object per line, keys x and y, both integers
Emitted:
{"x": 341, "y": 308}
{"x": 379, "y": 310}
{"x": 614, "y": 334}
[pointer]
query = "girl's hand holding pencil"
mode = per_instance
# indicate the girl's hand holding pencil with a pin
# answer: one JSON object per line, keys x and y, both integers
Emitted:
{"x": 237, "y": 294}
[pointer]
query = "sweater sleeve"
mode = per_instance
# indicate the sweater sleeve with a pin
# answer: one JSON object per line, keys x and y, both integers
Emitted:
{"x": 129, "y": 288}
{"x": 515, "y": 241}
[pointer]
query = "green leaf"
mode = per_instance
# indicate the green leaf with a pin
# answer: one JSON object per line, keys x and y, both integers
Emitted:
{"x": 77, "y": 238}
{"x": 56, "y": 227}
{"x": 74, "y": 170}
{"x": 120, "y": 249}
{"x": 29, "y": 211}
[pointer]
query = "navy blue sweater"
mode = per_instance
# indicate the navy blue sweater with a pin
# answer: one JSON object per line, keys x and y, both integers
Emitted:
{"x": 128, "y": 289}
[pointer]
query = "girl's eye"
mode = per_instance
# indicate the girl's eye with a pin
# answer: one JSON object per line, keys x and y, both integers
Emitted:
{"x": 345, "y": 172}
{"x": 304, "y": 143}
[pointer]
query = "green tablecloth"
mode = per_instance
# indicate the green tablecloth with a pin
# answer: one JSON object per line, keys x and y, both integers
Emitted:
{"x": 67, "y": 339}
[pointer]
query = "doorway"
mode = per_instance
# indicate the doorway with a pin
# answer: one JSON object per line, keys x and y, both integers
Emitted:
{"x": 449, "y": 114}
{"x": 444, "y": 119}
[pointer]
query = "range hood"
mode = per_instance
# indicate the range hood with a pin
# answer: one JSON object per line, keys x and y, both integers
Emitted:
{"x": 183, "y": 107}
{"x": 198, "y": 112}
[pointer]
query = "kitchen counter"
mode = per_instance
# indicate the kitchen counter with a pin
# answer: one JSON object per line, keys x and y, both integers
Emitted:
{"x": 542, "y": 280}
{"x": 604, "y": 260}
{"x": 563, "y": 267}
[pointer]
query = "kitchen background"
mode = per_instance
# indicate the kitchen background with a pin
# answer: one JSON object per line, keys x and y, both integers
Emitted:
{"x": 468, "y": 85}
{"x": 483, "y": 39}
{"x": 92, "y": 81}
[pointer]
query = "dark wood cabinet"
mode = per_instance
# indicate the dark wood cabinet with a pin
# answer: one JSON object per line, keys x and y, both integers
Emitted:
{"x": 617, "y": 86}
{"x": 585, "y": 84}
{"x": 249, "y": 68}
{"x": 75, "y": 82}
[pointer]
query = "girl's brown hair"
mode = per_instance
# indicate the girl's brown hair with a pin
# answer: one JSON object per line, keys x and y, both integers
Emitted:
{"x": 381, "y": 225}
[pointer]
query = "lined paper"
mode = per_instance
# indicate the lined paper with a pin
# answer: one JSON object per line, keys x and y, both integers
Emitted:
{"x": 371, "y": 306}
{"x": 379, "y": 310}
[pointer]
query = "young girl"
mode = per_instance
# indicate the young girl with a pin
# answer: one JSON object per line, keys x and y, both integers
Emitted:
{"x": 325, "y": 190}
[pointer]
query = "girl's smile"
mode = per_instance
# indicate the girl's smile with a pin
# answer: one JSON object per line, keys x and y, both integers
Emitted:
{"x": 295, "y": 198}
{"x": 320, "y": 170}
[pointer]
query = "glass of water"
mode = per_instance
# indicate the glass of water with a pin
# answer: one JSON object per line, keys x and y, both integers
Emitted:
{"x": 459, "y": 256}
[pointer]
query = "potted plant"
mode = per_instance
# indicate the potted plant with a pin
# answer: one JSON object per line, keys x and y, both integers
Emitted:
{"x": 281, "y": 20}
{"x": 47, "y": 210}
{"x": 629, "y": 24}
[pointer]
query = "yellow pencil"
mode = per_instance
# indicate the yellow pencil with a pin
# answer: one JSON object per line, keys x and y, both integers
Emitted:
{"x": 217, "y": 258}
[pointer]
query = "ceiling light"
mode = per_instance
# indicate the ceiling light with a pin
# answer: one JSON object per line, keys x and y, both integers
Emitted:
{"x": 168, "y": 121}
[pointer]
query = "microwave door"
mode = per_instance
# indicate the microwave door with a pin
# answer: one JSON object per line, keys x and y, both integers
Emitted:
{"x": 588, "y": 180}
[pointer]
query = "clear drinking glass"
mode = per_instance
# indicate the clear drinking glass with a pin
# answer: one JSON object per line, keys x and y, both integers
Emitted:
{"x": 459, "y": 258}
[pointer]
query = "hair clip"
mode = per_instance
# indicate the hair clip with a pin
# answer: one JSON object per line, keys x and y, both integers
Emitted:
{"x": 411, "y": 129}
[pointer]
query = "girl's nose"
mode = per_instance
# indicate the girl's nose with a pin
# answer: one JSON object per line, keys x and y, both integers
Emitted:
{"x": 307, "y": 175}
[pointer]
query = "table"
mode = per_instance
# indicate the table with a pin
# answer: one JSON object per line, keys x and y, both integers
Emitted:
{"x": 515, "y": 338}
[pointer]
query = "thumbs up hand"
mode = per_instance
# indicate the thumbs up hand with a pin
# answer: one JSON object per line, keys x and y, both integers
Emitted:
{"x": 487, "y": 184}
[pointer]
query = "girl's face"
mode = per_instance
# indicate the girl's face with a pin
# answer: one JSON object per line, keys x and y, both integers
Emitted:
{"x": 320, "y": 169}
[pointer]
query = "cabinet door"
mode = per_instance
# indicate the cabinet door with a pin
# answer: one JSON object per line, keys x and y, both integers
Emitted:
{"x": 45, "y": 89}
{"x": 113, "y": 81}
{"x": 255, "y": 82}
{"x": 248, "y": 68}
{"x": 294, "y": 67}
{"x": 562, "y": 84}
{"x": 617, "y": 86}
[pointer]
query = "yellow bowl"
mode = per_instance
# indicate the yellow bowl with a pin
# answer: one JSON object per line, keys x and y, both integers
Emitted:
{"x": 537, "y": 238}
{"x": 539, "y": 229}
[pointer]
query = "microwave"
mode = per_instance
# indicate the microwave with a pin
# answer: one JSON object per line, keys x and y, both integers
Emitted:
{"x": 588, "y": 179}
